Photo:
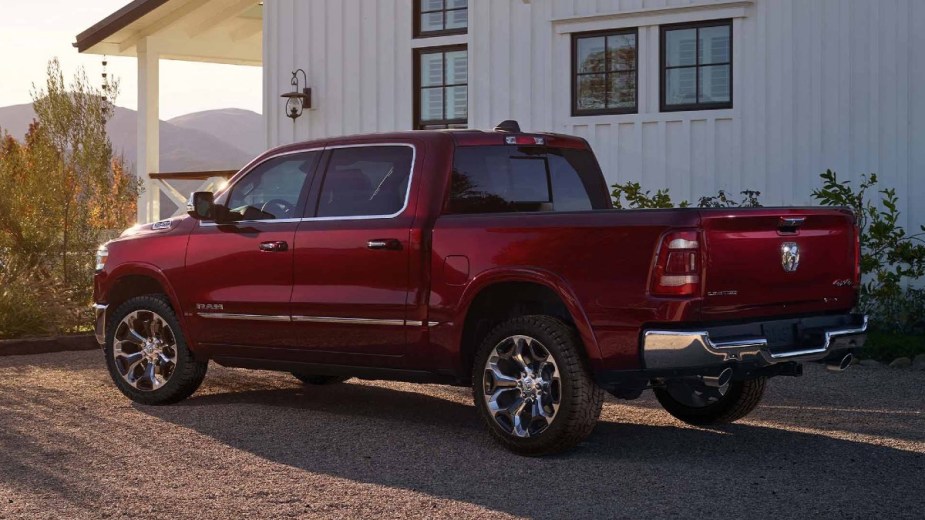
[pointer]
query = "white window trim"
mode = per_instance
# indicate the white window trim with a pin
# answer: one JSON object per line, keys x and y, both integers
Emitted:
{"x": 654, "y": 16}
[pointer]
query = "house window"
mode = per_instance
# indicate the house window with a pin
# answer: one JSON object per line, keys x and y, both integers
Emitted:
{"x": 696, "y": 66}
{"x": 440, "y": 17}
{"x": 604, "y": 66}
{"x": 441, "y": 93}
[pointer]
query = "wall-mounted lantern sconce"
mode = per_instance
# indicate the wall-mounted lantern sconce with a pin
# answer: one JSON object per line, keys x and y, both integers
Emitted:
{"x": 298, "y": 99}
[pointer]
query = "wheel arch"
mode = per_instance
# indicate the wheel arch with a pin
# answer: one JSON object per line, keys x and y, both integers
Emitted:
{"x": 139, "y": 279}
{"x": 519, "y": 292}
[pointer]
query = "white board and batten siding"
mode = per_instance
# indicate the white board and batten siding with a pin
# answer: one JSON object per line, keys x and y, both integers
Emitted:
{"x": 817, "y": 84}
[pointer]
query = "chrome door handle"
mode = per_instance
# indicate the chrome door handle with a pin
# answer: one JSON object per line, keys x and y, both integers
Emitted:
{"x": 274, "y": 247}
{"x": 390, "y": 244}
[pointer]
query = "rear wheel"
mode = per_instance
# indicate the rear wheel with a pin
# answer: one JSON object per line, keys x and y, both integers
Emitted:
{"x": 695, "y": 403}
{"x": 533, "y": 389}
{"x": 147, "y": 354}
{"x": 314, "y": 379}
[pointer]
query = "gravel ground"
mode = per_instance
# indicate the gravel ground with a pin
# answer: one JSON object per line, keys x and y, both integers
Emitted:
{"x": 259, "y": 445}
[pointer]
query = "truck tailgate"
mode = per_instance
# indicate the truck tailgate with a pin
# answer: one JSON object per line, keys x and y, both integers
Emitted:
{"x": 775, "y": 262}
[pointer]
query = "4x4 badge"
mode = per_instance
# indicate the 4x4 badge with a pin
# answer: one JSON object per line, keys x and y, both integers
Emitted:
{"x": 790, "y": 256}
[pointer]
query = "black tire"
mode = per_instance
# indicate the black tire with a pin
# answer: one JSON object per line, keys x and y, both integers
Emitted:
{"x": 187, "y": 373}
{"x": 739, "y": 400}
{"x": 580, "y": 399}
{"x": 314, "y": 379}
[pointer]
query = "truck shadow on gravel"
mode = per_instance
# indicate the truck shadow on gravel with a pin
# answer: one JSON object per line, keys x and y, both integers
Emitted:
{"x": 413, "y": 441}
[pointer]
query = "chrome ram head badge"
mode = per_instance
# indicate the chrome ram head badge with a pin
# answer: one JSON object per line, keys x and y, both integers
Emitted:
{"x": 790, "y": 256}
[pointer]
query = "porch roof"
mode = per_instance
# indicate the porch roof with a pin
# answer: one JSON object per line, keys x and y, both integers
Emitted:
{"x": 216, "y": 31}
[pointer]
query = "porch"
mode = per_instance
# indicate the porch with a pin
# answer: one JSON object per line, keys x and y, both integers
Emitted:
{"x": 211, "y": 31}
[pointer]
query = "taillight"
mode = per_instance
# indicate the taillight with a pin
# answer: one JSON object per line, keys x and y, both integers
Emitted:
{"x": 677, "y": 265}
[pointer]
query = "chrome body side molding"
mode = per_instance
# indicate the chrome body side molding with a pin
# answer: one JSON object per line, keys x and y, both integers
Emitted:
{"x": 243, "y": 317}
{"x": 315, "y": 319}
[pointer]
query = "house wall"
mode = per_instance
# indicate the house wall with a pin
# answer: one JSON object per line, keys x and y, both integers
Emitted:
{"x": 816, "y": 84}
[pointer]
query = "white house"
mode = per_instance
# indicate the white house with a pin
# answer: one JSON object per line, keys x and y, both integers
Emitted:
{"x": 692, "y": 95}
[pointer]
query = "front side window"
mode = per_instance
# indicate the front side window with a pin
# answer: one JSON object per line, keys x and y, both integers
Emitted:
{"x": 441, "y": 88}
{"x": 273, "y": 189}
{"x": 369, "y": 181}
{"x": 697, "y": 66}
{"x": 604, "y": 73}
{"x": 440, "y": 17}
{"x": 505, "y": 179}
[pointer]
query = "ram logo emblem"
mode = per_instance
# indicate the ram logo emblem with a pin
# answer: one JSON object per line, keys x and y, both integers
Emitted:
{"x": 790, "y": 256}
{"x": 210, "y": 307}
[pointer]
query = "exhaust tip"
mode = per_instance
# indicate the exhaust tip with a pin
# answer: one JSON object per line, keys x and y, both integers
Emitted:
{"x": 840, "y": 365}
{"x": 720, "y": 380}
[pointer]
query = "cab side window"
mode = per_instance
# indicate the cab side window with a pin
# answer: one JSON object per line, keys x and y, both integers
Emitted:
{"x": 272, "y": 190}
{"x": 368, "y": 181}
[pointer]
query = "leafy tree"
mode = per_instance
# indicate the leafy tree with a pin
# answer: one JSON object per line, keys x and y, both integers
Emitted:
{"x": 61, "y": 193}
{"x": 72, "y": 119}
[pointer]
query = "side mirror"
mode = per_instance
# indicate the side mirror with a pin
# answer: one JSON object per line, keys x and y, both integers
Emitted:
{"x": 201, "y": 205}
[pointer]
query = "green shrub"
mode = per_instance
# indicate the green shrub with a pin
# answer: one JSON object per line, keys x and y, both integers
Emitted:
{"x": 635, "y": 198}
{"x": 630, "y": 195}
{"x": 721, "y": 200}
{"x": 21, "y": 309}
{"x": 887, "y": 346}
{"x": 890, "y": 257}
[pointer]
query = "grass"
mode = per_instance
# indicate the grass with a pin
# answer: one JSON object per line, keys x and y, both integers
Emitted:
{"x": 886, "y": 346}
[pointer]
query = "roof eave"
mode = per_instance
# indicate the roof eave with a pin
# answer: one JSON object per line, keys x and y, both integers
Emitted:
{"x": 115, "y": 22}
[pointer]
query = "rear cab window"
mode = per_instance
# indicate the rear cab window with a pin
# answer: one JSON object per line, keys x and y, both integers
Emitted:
{"x": 525, "y": 178}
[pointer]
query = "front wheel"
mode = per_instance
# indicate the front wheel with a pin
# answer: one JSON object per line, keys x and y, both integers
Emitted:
{"x": 533, "y": 389}
{"x": 147, "y": 354}
{"x": 698, "y": 404}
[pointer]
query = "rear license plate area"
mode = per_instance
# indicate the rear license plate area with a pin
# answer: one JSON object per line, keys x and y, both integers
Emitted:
{"x": 779, "y": 334}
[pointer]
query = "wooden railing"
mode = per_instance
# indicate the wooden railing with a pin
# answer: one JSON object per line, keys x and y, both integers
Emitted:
{"x": 212, "y": 181}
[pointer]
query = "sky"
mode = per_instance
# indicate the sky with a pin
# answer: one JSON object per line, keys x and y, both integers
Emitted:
{"x": 34, "y": 31}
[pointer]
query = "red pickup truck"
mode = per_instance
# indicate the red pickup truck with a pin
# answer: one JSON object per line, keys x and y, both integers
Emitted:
{"x": 486, "y": 259}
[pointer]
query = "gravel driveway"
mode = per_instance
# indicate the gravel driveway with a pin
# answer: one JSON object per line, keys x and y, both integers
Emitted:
{"x": 259, "y": 445}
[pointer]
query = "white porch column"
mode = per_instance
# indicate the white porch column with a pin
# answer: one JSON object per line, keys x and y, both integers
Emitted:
{"x": 148, "y": 149}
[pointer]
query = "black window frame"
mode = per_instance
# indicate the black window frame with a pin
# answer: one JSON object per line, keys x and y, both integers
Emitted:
{"x": 418, "y": 88}
{"x": 419, "y": 12}
{"x": 663, "y": 66}
{"x": 576, "y": 112}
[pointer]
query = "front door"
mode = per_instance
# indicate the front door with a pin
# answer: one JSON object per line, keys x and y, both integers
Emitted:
{"x": 351, "y": 265}
{"x": 239, "y": 270}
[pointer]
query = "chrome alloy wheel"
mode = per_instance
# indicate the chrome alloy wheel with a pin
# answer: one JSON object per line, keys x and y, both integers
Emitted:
{"x": 521, "y": 386}
{"x": 144, "y": 350}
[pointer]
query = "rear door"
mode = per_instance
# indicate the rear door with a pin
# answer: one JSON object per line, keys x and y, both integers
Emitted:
{"x": 778, "y": 261}
{"x": 239, "y": 272}
{"x": 352, "y": 253}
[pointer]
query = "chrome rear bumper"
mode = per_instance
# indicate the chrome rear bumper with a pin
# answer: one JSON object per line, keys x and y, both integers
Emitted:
{"x": 685, "y": 349}
{"x": 100, "y": 326}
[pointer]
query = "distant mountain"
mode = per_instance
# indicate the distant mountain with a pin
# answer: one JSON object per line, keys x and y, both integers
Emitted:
{"x": 212, "y": 140}
{"x": 241, "y": 128}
